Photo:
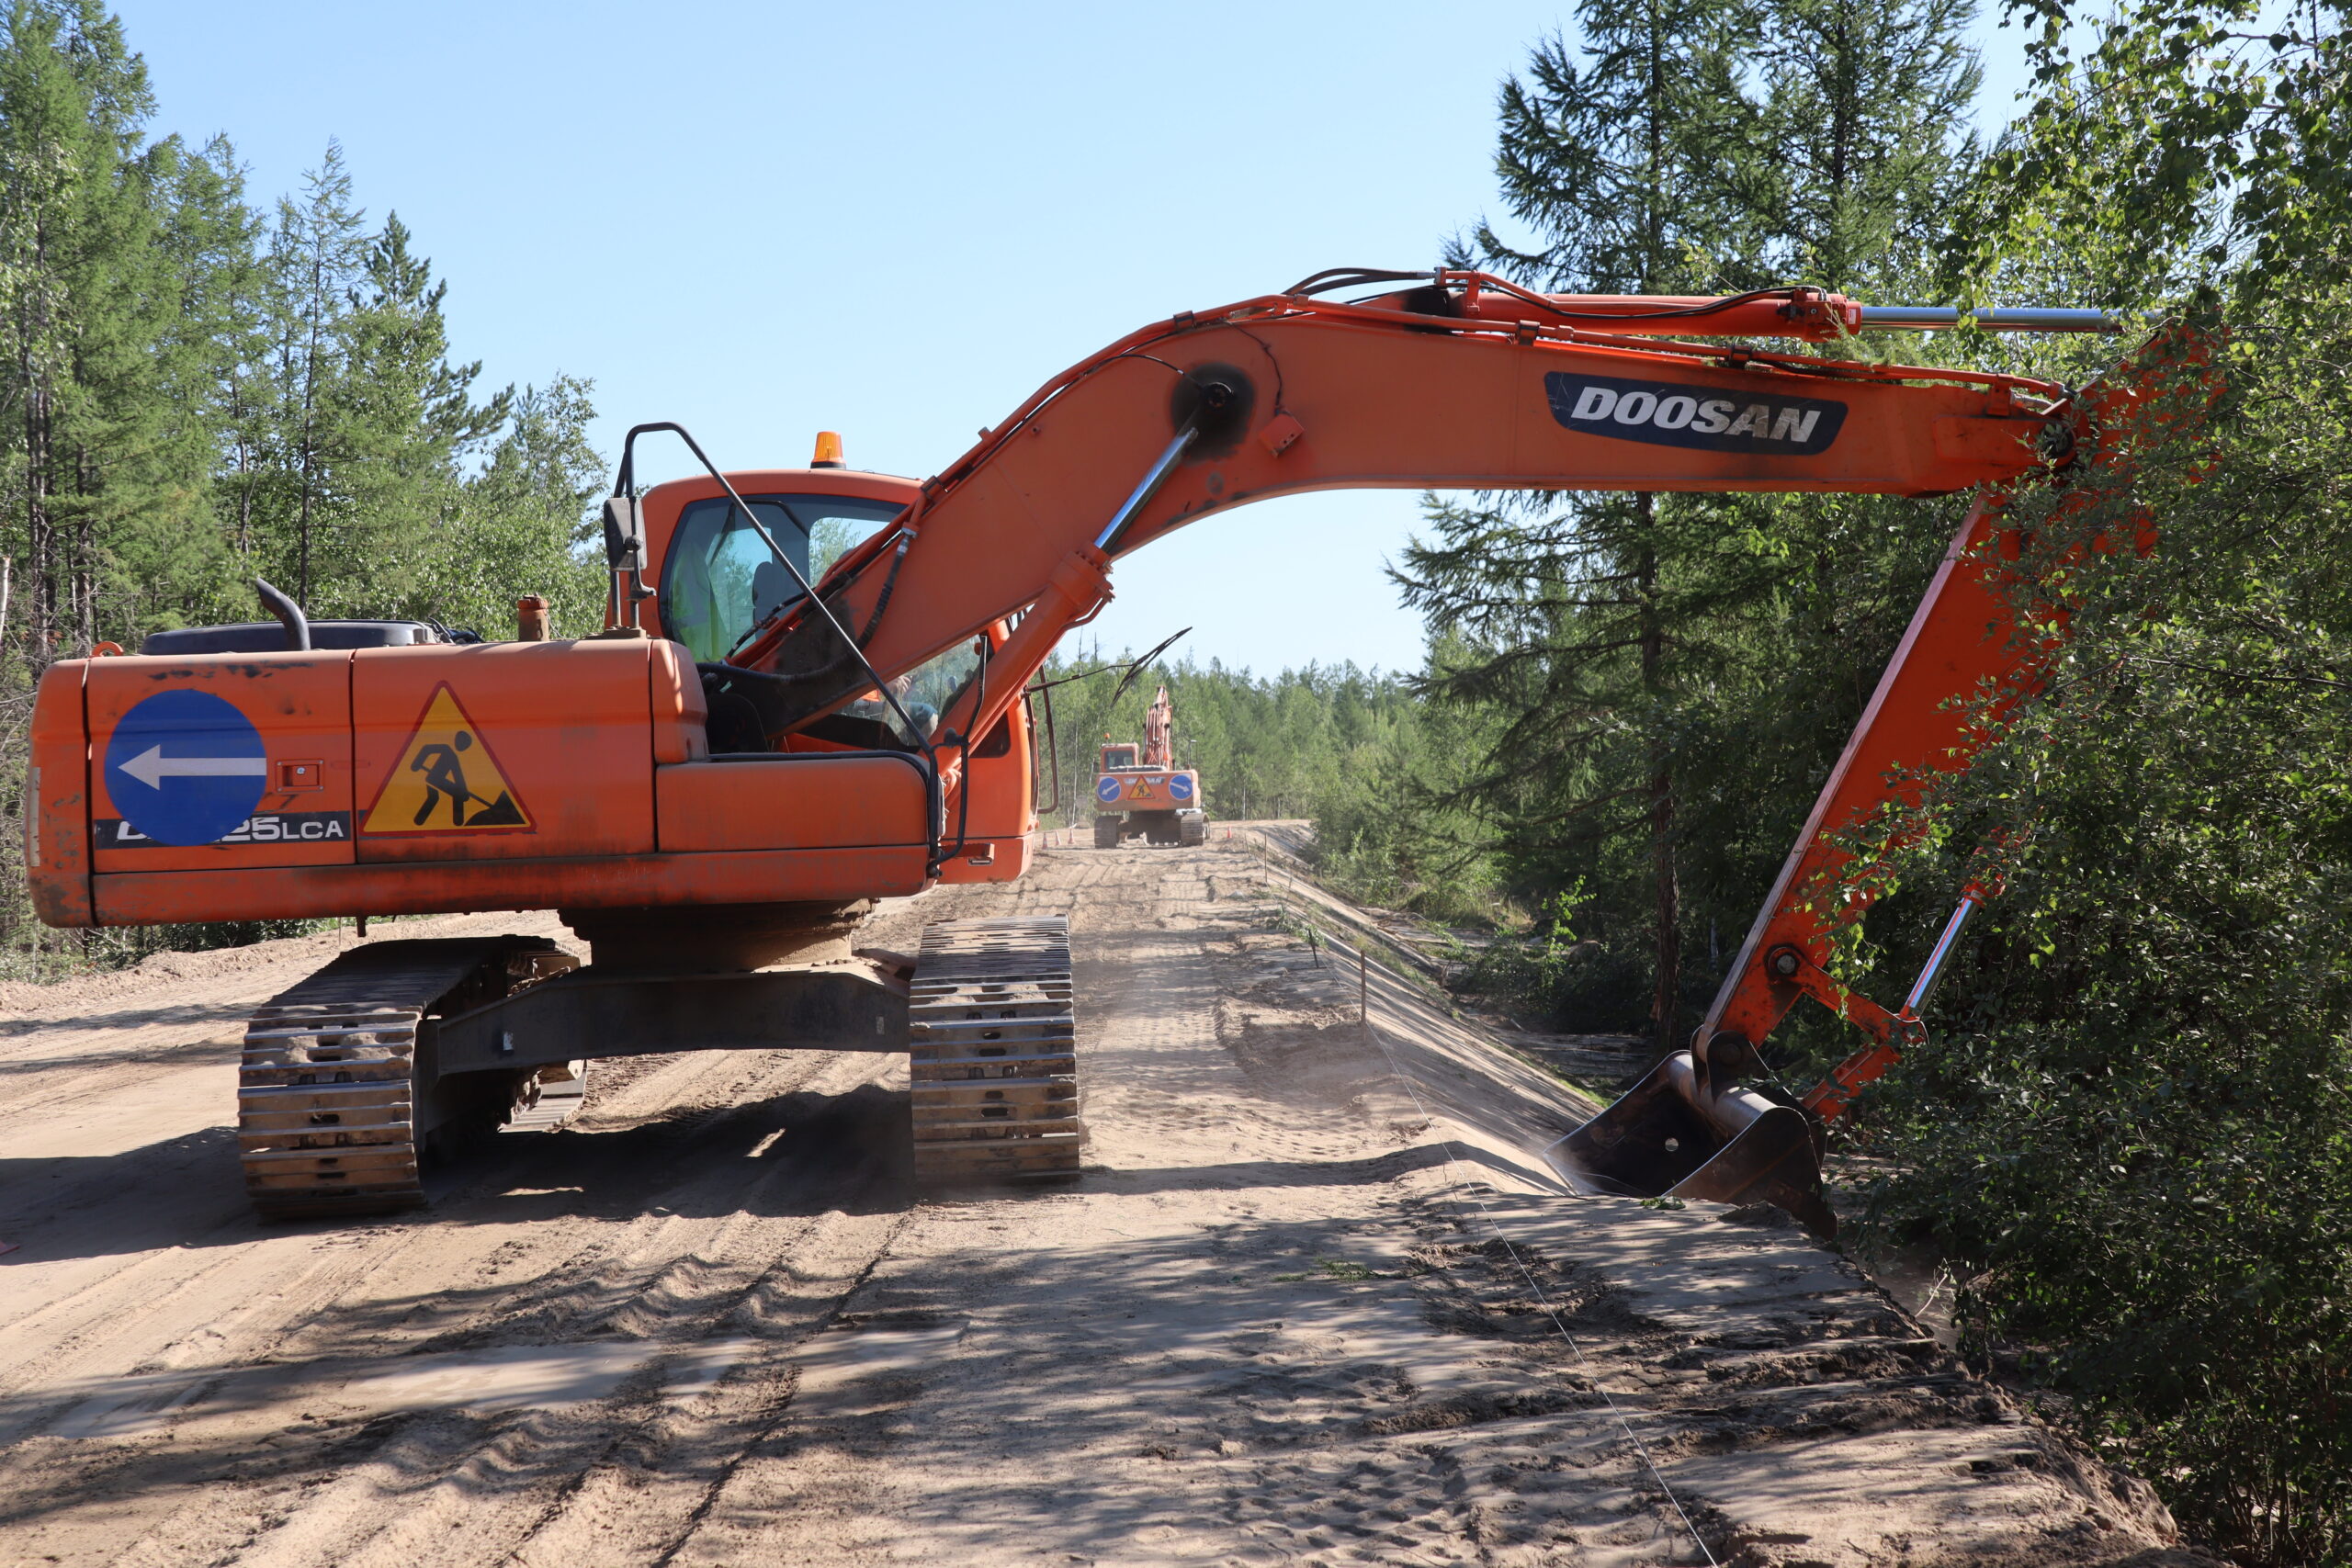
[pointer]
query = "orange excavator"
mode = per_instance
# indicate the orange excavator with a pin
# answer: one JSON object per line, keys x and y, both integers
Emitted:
{"x": 1145, "y": 792}
{"x": 713, "y": 791}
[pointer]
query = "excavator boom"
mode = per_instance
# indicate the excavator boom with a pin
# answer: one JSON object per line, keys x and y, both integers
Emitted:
{"x": 1289, "y": 393}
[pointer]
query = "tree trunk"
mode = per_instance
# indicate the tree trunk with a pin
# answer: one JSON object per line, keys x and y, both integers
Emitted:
{"x": 1666, "y": 998}
{"x": 317, "y": 310}
{"x": 40, "y": 528}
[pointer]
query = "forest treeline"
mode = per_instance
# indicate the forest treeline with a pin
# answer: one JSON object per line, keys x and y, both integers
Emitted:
{"x": 199, "y": 387}
{"x": 2130, "y": 1133}
{"x": 1304, "y": 743}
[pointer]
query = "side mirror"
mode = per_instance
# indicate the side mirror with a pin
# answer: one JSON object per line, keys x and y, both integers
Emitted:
{"x": 624, "y": 535}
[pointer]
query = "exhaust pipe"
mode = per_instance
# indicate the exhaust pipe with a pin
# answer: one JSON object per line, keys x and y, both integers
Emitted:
{"x": 1668, "y": 1136}
{"x": 290, "y": 615}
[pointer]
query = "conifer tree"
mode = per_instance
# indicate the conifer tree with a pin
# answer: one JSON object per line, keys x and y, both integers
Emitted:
{"x": 1614, "y": 153}
{"x": 82, "y": 311}
{"x": 316, "y": 255}
{"x": 525, "y": 523}
{"x": 1639, "y": 650}
{"x": 176, "y": 562}
{"x": 1854, "y": 164}
{"x": 403, "y": 421}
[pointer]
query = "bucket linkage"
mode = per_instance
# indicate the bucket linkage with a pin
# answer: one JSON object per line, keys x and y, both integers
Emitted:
{"x": 1687, "y": 1129}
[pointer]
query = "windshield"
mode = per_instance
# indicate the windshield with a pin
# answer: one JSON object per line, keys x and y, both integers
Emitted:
{"x": 720, "y": 580}
{"x": 925, "y": 692}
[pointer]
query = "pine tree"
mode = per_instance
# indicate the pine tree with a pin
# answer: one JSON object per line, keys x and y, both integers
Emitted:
{"x": 1641, "y": 649}
{"x": 525, "y": 523}
{"x": 316, "y": 257}
{"x": 86, "y": 298}
{"x": 177, "y": 559}
{"x": 1618, "y": 161}
{"x": 401, "y": 423}
{"x": 191, "y": 394}
{"x": 1856, "y": 110}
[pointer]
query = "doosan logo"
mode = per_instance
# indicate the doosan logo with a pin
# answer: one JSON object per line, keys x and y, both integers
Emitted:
{"x": 1667, "y": 414}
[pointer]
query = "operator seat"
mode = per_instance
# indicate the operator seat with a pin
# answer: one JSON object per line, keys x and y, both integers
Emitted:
{"x": 772, "y": 588}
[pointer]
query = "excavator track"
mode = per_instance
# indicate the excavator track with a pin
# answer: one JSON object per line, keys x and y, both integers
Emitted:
{"x": 993, "y": 1053}
{"x": 329, "y": 1118}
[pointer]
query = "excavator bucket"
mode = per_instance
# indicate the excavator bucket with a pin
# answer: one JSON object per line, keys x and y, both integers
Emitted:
{"x": 1669, "y": 1137}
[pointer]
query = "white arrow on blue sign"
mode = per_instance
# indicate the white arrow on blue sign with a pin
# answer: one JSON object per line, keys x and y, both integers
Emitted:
{"x": 186, "y": 767}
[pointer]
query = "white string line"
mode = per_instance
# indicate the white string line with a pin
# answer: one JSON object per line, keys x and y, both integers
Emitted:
{"x": 1453, "y": 1167}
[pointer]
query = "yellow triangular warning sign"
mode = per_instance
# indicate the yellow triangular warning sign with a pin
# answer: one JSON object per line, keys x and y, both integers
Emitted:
{"x": 445, "y": 780}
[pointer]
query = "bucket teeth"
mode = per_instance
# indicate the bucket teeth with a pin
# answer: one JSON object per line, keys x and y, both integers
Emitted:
{"x": 991, "y": 1053}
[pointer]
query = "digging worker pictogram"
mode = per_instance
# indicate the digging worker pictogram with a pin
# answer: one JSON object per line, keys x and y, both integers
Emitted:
{"x": 444, "y": 775}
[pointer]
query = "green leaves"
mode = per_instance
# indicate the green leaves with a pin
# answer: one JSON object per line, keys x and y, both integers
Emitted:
{"x": 2133, "y": 1125}
{"x": 2177, "y": 151}
{"x": 196, "y": 392}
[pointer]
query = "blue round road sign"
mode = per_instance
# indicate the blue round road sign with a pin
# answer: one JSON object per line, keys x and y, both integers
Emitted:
{"x": 1179, "y": 787}
{"x": 186, "y": 767}
{"x": 1106, "y": 790}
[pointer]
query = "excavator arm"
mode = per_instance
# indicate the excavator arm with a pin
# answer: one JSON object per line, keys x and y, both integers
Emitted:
{"x": 1467, "y": 382}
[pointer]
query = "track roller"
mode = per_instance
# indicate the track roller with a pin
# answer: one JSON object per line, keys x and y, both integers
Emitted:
{"x": 992, "y": 1053}
{"x": 336, "y": 1093}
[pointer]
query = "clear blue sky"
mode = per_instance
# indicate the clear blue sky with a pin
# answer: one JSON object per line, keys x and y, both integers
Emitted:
{"x": 763, "y": 220}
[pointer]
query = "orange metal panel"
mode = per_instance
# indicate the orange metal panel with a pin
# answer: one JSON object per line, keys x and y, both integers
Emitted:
{"x": 1001, "y": 774}
{"x": 292, "y": 808}
{"x": 679, "y": 709}
{"x": 1962, "y": 637}
{"x": 509, "y": 750}
{"x": 804, "y": 800}
{"x": 610, "y": 882}
{"x": 57, "y": 802}
{"x": 987, "y": 860}
{"x": 1380, "y": 406}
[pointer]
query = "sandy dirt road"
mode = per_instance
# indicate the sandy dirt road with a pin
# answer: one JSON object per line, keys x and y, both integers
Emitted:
{"x": 1315, "y": 1301}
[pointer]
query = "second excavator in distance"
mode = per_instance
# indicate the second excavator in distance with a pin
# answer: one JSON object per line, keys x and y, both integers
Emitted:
{"x": 1141, "y": 789}
{"x": 713, "y": 791}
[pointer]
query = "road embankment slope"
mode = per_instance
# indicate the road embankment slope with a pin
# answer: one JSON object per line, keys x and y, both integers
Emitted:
{"x": 1316, "y": 1300}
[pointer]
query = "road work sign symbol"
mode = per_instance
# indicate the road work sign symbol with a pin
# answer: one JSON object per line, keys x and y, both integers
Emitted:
{"x": 186, "y": 767}
{"x": 445, "y": 780}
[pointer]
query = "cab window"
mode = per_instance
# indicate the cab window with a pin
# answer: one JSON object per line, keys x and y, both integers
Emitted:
{"x": 1118, "y": 759}
{"x": 720, "y": 580}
